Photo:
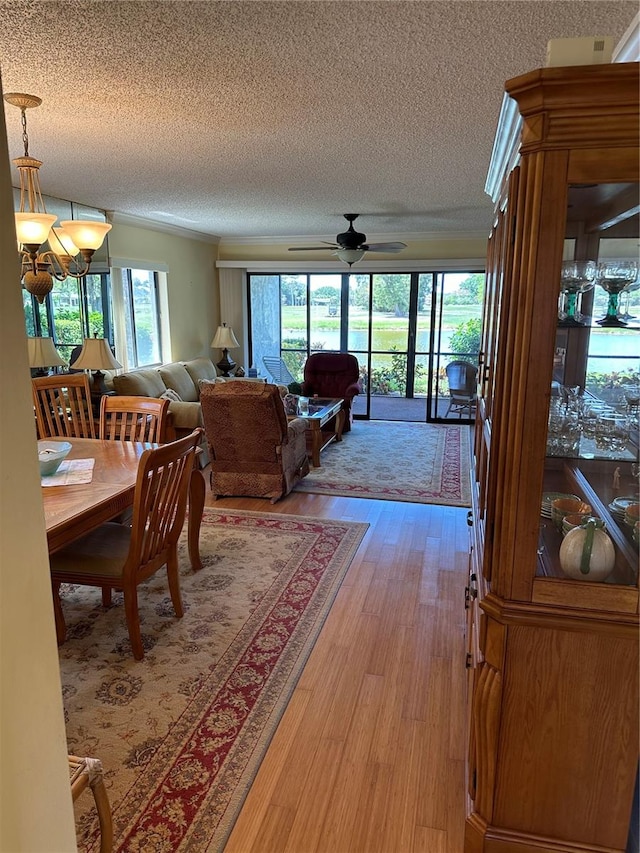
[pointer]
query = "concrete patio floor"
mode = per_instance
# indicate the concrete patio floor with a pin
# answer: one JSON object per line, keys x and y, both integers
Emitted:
{"x": 386, "y": 407}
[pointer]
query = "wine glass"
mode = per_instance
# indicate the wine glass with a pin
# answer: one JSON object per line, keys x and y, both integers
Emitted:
{"x": 613, "y": 276}
{"x": 575, "y": 277}
{"x": 628, "y": 290}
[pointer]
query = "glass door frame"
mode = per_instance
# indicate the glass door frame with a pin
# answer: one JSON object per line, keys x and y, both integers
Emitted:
{"x": 432, "y": 356}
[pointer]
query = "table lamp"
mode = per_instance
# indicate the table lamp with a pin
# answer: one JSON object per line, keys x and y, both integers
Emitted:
{"x": 226, "y": 340}
{"x": 97, "y": 356}
{"x": 42, "y": 353}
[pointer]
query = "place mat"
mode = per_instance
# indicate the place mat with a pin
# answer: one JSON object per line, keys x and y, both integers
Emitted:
{"x": 72, "y": 472}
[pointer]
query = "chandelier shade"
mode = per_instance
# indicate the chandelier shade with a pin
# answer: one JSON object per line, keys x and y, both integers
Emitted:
{"x": 38, "y": 242}
{"x": 33, "y": 228}
{"x": 68, "y": 246}
{"x": 86, "y": 234}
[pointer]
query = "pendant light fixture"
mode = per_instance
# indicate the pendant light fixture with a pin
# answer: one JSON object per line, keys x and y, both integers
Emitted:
{"x": 47, "y": 252}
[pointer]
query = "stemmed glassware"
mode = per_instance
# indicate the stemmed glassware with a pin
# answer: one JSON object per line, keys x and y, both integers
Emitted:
{"x": 626, "y": 293}
{"x": 613, "y": 276}
{"x": 575, "y": 277}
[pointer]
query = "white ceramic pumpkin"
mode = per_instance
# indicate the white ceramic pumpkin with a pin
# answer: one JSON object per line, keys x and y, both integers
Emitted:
{"x": 587, "y": 554}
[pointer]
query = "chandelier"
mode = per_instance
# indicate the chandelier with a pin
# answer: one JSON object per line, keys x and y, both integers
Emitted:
{"x": 47, "y": 252}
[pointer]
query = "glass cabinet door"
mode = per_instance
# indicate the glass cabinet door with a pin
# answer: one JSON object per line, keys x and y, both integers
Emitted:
{"x": 592, "y": 440}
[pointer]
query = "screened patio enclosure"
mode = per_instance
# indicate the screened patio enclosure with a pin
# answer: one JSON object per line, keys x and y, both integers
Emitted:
{"x": 404, "y": 328}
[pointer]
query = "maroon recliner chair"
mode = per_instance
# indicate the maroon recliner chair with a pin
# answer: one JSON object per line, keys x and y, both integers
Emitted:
{"x": 333, "y": 374}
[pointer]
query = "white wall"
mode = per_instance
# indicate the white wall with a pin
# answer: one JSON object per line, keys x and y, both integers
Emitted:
{"x": 36, "y": 813}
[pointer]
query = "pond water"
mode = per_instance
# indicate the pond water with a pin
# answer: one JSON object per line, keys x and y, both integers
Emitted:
{"x": 609, "y": 351}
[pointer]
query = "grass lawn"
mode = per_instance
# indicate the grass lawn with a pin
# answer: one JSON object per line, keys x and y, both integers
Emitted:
{"x": 294, "y": 318}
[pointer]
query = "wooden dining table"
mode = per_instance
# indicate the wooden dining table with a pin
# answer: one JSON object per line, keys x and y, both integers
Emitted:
{"x": 71, "y": 511}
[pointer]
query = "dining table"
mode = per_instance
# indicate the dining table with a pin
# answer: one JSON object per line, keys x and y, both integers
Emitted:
{"x": 71, "y": 511}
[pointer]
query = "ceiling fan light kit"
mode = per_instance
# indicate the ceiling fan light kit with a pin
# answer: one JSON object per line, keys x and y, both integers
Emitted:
{"x": 351, "y": 246}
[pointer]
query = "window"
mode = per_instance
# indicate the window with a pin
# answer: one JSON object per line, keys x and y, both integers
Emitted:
{"x": 138, "y": 324}
{"x": 403, "y": 328}
{"x": 76, "y": 308}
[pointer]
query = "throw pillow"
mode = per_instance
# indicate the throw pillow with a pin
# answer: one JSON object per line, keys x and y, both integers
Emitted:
{"x": 217, "y": 381}
{"x": 291, "y": 404}
{"x": 172, "y": 395}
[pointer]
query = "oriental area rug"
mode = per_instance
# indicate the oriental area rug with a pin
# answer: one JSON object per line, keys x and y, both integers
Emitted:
{"x": 181, "y": 733}
{"x": 386, "y": 460}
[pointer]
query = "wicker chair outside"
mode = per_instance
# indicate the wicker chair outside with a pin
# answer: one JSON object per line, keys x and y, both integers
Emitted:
{"x": 87, "y": 773}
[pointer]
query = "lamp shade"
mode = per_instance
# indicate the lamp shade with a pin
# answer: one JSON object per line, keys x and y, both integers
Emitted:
{"x": 224, "y": 338}
{"x": 42, "y": 353}
{"x": 33, "y": 228}
{"x": 95, "y": 355}
{"x": 62, "y": 240}
{"x": 85, "y": 233}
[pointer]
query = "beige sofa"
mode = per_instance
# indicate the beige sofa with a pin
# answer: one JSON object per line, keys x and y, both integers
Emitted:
{"x": 178, "y": 381}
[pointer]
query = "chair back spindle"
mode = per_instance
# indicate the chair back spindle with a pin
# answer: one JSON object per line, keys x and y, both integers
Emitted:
{"x": 62, "y": 405}
{"x": 124, "y": 418}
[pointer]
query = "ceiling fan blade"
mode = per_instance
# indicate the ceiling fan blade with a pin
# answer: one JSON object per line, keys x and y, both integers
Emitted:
{"x": 312, "y": 248}
{"x": 385, "y": 247}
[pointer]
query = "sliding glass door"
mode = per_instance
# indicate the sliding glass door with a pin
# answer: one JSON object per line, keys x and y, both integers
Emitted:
{"x": 404, "y": 328}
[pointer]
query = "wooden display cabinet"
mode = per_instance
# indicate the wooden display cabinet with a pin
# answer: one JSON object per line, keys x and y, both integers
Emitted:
{"x": 553, "y": 709}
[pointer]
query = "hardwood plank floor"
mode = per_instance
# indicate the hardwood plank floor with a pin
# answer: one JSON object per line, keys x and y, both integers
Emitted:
{"x": 369, "y": 754}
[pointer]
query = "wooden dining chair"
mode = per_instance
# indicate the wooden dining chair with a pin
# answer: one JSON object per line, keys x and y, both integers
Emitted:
{"x": 115, "y": 556}
{"x": 62, "y": 405}
{"x": 134, "y": 419}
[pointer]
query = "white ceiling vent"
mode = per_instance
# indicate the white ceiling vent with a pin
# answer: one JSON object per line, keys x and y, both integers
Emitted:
{"x": 594, "y": 50}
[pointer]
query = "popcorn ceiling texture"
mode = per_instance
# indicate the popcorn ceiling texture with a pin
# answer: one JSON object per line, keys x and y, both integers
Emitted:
{"x": 258, "y": 119}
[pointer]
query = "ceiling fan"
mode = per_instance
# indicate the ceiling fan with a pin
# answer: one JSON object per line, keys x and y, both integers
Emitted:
{"x": 350, "y": 246}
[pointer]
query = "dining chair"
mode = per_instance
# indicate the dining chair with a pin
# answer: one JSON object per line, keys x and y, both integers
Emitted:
{"x": 133, "y": 419}
{"x": 62, "y": 405}
{"x": 115, "y": 556}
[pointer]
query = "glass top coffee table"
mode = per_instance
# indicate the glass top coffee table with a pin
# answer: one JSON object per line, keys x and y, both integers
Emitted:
{"x": 325, "y": 423}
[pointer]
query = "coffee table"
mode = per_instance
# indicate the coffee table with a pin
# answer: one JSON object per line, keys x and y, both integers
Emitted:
{"x": 320, "y": 430}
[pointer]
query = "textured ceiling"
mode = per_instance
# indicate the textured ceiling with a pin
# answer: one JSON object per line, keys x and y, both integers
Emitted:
{"x": 263, "y": 119}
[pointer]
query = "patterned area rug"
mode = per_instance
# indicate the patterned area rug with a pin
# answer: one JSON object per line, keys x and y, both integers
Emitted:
{"x": 181, "y": 733}
{"x": 420, "y": 463}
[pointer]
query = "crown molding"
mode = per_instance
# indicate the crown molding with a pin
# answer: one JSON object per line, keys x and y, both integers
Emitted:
{"x": 117, "y": 218}
{"x": 628, "y": 48}
{"x": 427, "y": 265}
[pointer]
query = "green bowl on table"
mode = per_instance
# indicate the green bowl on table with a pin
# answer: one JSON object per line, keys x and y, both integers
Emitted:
{"x": 51, "y": 454}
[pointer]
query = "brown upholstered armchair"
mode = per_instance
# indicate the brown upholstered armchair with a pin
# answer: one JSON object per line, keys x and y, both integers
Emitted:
{"x": 333, "y": 374}
{"x": 253, "y": 450}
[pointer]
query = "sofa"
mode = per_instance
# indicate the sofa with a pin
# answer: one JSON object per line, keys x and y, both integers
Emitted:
{"x": 179, "y": 382}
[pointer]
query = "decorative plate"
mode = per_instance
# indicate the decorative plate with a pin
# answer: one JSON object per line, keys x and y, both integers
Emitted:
{"x": 548, "y": 497}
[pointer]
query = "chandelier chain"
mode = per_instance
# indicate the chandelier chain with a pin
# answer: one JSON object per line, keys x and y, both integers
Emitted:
{"x": 25, "y": 135}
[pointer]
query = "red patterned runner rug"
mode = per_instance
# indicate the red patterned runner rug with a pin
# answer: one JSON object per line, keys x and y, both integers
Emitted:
{"x": 387, "y": 460}
{"x": 181, "y": 734}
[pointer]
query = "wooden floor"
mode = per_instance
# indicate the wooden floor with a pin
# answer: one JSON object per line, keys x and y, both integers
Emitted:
{"x": 369, "y": 755}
